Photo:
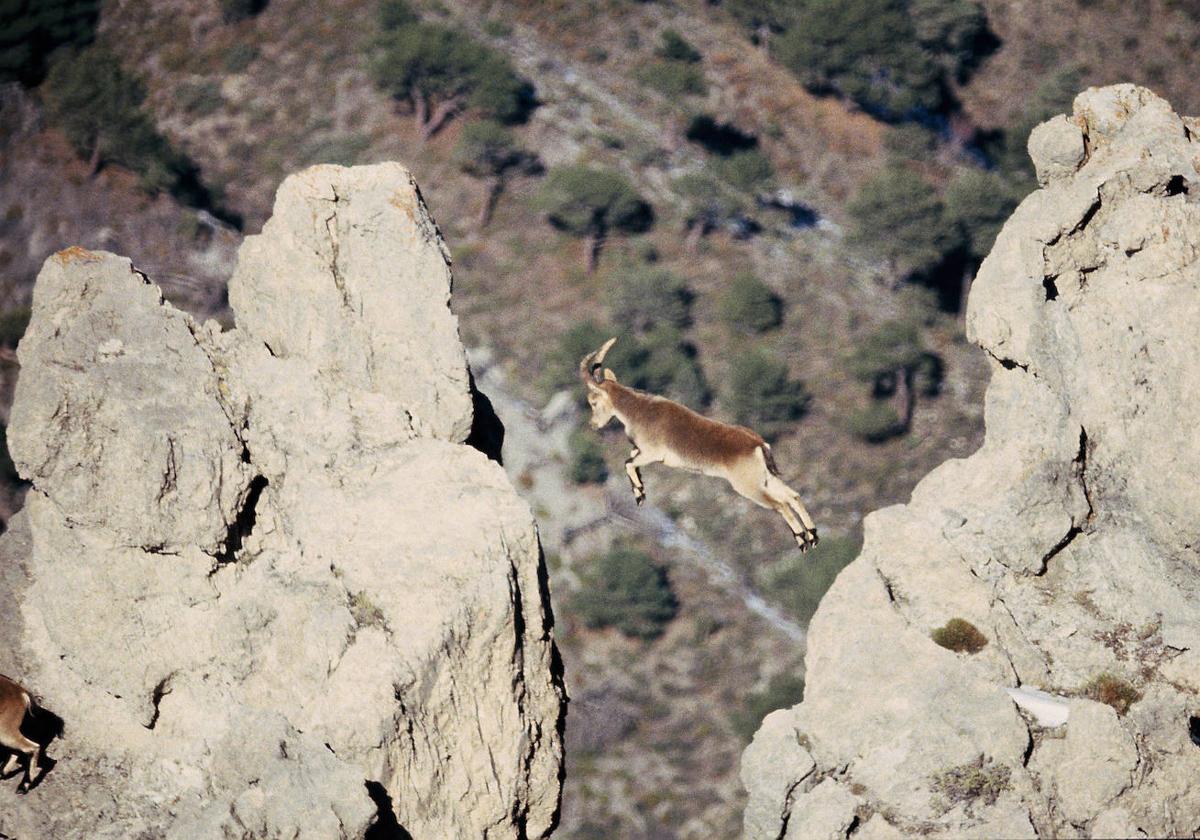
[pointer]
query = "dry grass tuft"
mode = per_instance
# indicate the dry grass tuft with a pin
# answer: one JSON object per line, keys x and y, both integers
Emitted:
{"x": 1113, "y": 691}
{"x": 960, "y": 636}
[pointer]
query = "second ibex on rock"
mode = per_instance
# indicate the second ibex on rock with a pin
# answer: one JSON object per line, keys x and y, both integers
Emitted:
{"x": 664, "y": 432}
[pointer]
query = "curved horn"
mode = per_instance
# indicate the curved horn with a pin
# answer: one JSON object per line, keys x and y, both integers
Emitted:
{"x": 590, "y": 364}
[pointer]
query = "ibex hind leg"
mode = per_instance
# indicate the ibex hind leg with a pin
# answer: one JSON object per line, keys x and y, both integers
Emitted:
{"x": 22, "y": 745}
{"x": 789, "y": 499}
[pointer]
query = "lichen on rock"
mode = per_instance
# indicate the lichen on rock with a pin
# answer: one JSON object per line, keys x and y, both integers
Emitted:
{"x": 1069, "y": 539}
{"x": 259, "y": 575}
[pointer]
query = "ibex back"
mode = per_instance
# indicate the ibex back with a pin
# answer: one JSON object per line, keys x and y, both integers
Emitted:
{"x": 664, "y": 432}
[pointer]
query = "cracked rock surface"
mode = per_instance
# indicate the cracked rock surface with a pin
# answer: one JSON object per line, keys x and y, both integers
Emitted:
{"x": 260, "y": 577}
{"x": 1070, "y": 539}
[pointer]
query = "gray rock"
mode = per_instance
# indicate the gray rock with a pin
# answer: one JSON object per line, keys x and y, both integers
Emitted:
{"x": 1057, "y": 148}
{"x": 824, "y": 813}
{"x": 258, "y": 570}
{"x": 1069, "y": 539}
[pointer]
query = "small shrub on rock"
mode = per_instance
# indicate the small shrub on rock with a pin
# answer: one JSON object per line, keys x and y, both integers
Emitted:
{"x": 980, "y": 780}
{"x": 1113, "y": 691}
{"x": 960, "y": 636}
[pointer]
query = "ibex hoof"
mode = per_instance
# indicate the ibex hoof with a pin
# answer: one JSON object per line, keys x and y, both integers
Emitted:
{"x": 639, "y": 498}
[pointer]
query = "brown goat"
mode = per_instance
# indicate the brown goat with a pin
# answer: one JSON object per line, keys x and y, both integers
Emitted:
{"x": 664, "y": 432}
{"x": 15, "y": 703}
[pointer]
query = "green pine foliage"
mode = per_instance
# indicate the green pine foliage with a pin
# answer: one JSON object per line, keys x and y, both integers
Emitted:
{"x": 589, "y": 203}
{"x": 979, "y": 202}
{"x": 587, "y": 464}
{"x": 674, "y": 47}
{"x": 892, "y": 57}
{"x": 90, "y": 97}
{"x": 624, "y": 588}
{"x": 30, "y": 30}
{"x": 897, "y": 215}
{"x": 762, "y": 395}
{"x": 748, "y": 303}
{"x": 233, "y": 11}
{"x": 645, "y": 297}
{"x": 441, "y": 70}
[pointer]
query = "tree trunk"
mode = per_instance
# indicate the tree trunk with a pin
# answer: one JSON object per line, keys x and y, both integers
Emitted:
{"x": 697, "y": 230}
{"x": 441, "y": 115}
{"x": 420, "y": 109}
{"x": 494, "y": 187}
{"x": 95, "y": 161}
{"x": 591, "y": 249}
{"x": 905, "y": 398}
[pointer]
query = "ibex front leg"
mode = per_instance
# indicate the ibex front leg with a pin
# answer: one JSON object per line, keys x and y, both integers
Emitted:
{"x": 638, "y": 458}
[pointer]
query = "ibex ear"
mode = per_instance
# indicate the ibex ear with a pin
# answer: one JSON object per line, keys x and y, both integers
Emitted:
{"x": 609, "y": 375}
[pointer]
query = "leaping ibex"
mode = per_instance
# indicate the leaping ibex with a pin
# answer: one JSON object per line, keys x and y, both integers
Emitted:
{"x": 664, "y": 432}
{"x": 15, "y": 702}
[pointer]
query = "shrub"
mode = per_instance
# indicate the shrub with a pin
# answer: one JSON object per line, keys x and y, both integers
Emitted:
{"x": 960, "y": 636}
{"x": 645, "y": 297}
{"x": 910, "y": 141}
{"x": 894, "y": 57}
{"x": 239, "y": 56}
{"x": 749, "y": 303}
{"x": 440, "y": 70}
{"x": 200, "y": 99}
{"x": 587, "y": 464}
{"x": 875, "y": 423}
{"x": 798, "y": 583}
{"x": 782, "y": 692}
{"x": 488, "y": 150}
{"x": 31, "y": 30}
{"x": 672, "y": 78}
{"x": 977, "y": 780}
{"x": 898, "y": 216}
{"x": 99, "y": 108}
{"x": 674, "y": 47}
{"x": 762, "y": 395}
{"x": 394, "y": 15}
{"x": 745, "y": 170}
{"x": 365, "y": 612}
{"x": 979, "y": 203}
{"x": 894, "y": 345}
{"x": 13, "y": 323}
{"x": 625, "y": 589}
{"x": 233, "y": 11}
{"x": 1112, "y": 690}
{"x": 589, "y": 202}
{"x": 669, "y": 367}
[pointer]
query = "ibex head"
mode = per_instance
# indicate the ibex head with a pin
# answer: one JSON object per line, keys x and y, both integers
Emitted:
{"x": 597, "y": 397}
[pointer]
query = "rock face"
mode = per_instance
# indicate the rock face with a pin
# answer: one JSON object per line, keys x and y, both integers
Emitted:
{"x": 259, "y": 576}
{"x": 1070, "y": 539}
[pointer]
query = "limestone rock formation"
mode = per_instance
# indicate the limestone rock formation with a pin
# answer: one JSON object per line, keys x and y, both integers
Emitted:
{"x": 1070, "y": 539}
{"x": 260, "y": 577}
